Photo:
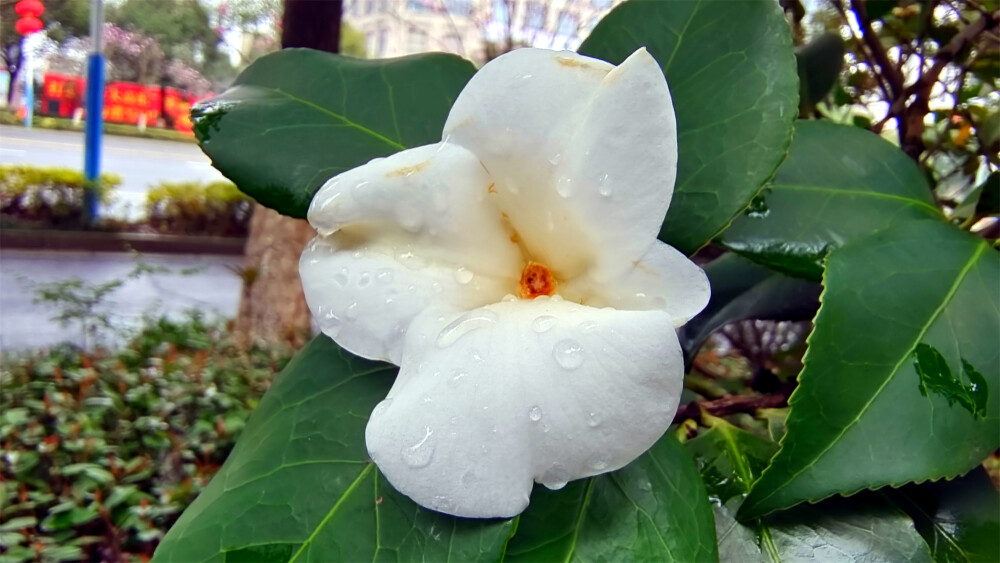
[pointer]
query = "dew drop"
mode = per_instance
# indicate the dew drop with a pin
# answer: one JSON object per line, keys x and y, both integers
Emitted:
{"x": 464, "y": 325}
{"x": 526, "y": 76}
{"x": 351, "y": 312}
{"x": 437, "y": 287}
{"x": 428, "y": 399}
{"x": 543, "y": 323}
{"x": 341, "y": 278}
{"x": 588, "y": 326}
{"x": 555, "y": 477}
{"x": 508, "y": 298}
{"x": 555, "y": 159}
{"x": 563, "y": 187}
{"x": 645, "y": 486}
{"x": 568, "y": 354}
{"x": 599, "y": 462}
{"x": 409, "y": 218}
{"x": 384, "y": 275}
{"x": 457, "y": 376}
{"x": 535, "y": 414}
{"x": 463, "y": 275}
{"x": 419, "y": 454}
{"x": 594, "y": 420}
{"x": 603, "y": 187}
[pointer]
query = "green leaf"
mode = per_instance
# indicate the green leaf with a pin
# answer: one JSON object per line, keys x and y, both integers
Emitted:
{"x": 743, "y": 290}
{"x": 867, "y": 529}
{"x": 819, "y": 65}
{"x": 299, "y": 485}
{"x": 936, "y": 377}
{"x": 733, "y": 82}
{"x": 858, "y": 419}
{"x": 654, "y": 509}
{"x": 297, "y": 117}
{"x": 839, "y": 183}
{"x": 960, "y": 519}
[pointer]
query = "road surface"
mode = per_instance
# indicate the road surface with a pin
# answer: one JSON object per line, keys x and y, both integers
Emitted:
{"x": 140, "y": 162}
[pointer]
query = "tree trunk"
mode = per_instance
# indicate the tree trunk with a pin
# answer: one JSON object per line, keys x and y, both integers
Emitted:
{"x": 272, "y": 306}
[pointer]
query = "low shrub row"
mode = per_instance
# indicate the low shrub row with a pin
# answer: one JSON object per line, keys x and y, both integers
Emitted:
{"x": 101, "y": 452}
{"x": 52, "y": 198}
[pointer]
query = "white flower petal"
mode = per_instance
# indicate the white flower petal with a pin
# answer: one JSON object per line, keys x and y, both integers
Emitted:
{"x": 662, "y": 279}
{"x": 403, "y": 232}
{"x": 489, "y": 401}
{"x": 584, "y": 154}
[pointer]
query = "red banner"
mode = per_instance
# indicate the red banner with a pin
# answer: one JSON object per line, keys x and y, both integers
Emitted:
{"x": 124, "y": 102}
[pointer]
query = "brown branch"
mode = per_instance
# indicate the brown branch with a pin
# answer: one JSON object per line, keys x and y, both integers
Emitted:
{"x": 889, "y": 70}
{"x": 730, "y": 405}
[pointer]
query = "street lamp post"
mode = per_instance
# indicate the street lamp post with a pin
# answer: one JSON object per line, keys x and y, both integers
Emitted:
{"x": 95, "y": 110}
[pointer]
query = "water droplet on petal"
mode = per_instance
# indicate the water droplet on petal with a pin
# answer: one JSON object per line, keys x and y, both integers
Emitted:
{"x": 568, "y": 354}
{"x": 419, "y": 454}
{"x": 409, "y": 217}
{"x": 543, "y": 323}
{"x": 384, "y": 275}
{"x": 465, "y": 324}
{"x": 588, "y": 326}
{"x": 555, "y": 159}
{"x": 563, "y": 187}
{"x": 464, "y": 275}
{"x": 603, "y": 187}
{"x": 365, "y": 279}
{"x": 599, "y": 462}
{"x": 457, "y": 376}
{"x": 594, "y": 420}
{"x": 351, "y": 312}
{"x": 341, "y": 278}
{"x": 535, "y": 414}
{"x": 508, "y": 298}
{"x": 555, "y": 477}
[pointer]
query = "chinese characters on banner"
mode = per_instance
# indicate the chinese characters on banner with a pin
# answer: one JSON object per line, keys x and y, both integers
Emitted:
{"x": 124, "y": 102}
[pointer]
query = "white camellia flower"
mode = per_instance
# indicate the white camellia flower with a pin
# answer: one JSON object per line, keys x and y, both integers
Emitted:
{"x": 512, "y": 271}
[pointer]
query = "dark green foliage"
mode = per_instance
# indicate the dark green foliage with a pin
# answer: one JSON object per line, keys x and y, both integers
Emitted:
{"x": 102, "y": 452}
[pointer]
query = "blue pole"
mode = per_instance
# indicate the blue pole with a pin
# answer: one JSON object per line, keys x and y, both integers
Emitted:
{"x": 29, "y": 84}
{"x": 95, "y": 112}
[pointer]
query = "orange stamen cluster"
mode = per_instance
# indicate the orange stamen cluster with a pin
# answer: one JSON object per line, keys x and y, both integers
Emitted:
{"x": 536, "y": 280}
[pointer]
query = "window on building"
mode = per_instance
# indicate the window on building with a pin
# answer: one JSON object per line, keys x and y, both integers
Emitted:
{"x": 459, "y": 7}
{"x": 416, "y": 41}
{"x": 534, "y": 17}
{"x": 500, "y": 13}
{"x": 419, "y": 5}
{"x": 383, "y": 43}
{"x": 567, "y": 25}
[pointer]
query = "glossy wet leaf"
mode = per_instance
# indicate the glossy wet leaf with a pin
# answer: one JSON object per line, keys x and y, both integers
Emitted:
{"x": 299, "y": 485}
{"x": 960, "y": 519}
{"x": 839, "y": 183}
{"x": 936, "y": 377}
{"x": 859, "y": 529}
{"x": 654, "y": 509}
{"x": 858, "y": 419}
{"x": 743, "y": 290}
{"x": 297, "y": 117}
{"x": 733, "y": 82}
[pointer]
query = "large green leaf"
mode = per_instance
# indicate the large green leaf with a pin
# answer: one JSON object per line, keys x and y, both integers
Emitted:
{"x": 299, "y": 485}
{"x": 959, "y": 519}
{"x": 742, "y": 290}
{"x": 859, "y": 529}
{"x": 654, "y": 509}
{"x": 297, "y": 117}
{"x": 838, "y": 183}
{"x": 862, "y": 416}
{"x": 733, "y": 82}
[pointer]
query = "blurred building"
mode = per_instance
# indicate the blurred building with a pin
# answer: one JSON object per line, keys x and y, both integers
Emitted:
{"x": 471, "y": 28}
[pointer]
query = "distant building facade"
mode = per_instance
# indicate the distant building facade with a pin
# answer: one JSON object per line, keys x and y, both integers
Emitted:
{"x": 394, "y": 28}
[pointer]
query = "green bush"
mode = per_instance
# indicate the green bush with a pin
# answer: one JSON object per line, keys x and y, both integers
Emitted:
{"x": 48, "y": 196}
{"x": 102, "y": 452}
{"x": 216, "y": 208}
